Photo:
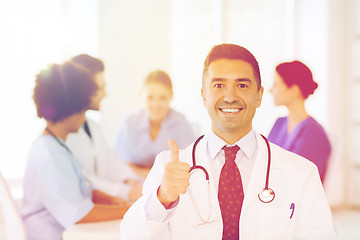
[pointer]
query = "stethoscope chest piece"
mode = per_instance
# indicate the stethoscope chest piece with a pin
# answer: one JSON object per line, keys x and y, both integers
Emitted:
{"x": 266, "y": 195}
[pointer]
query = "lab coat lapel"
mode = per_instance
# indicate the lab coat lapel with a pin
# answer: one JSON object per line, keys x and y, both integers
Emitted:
{"x": 84, "y": 135}
{"x": 202, "y": 159}
{"x": 258, "y": 175}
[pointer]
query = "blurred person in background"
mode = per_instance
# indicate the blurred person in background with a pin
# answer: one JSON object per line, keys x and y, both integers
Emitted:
{"x": 91, "y": 150}
{"x": 298, "y": 132}
{"x": 56, "y": 192}
{"x": 145, "y": 133}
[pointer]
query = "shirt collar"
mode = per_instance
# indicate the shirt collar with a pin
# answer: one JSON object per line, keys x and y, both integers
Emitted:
{"x": 247, "y": 144}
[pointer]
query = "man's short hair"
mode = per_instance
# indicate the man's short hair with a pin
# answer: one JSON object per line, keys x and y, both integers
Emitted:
{"x": 62, "y": 90}
{"x": 232, "y": 52}
{"x": 94, "y": 65}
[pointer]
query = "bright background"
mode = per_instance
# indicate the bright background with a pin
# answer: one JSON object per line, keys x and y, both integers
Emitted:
{"x": 134, "y": 37}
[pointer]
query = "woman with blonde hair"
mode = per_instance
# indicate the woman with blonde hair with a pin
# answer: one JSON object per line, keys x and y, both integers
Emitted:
{"x": 145, "y": 133}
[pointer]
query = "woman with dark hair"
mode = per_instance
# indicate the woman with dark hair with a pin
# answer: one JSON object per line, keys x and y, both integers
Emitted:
{"x": 298, "y": 132}
{"x": 145, "y": 133}
{"x": 56, "y": 192}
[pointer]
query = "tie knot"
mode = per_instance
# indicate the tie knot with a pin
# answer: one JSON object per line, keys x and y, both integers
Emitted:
{"x": 230, "y": 152}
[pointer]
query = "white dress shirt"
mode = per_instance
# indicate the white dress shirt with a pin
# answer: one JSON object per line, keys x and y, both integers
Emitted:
{"x": 244, "y": 157}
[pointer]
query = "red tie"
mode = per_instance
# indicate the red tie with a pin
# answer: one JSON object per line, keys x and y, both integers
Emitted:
{"x": 230, "y": 195}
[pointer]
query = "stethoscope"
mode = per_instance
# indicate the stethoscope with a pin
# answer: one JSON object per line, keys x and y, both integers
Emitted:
{"x": 84, "y": 182}
{"x": 266, "y": 195}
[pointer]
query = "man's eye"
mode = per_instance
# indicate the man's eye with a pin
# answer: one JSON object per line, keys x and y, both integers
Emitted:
{"x": 242, "y": 85}
{"x": 218, "y": 85}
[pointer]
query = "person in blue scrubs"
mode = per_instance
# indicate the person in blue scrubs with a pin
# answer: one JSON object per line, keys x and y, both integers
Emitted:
{"x": 57, "y": 194}
{"x": 298, "y": 132}
{"x": 145, "y": 133}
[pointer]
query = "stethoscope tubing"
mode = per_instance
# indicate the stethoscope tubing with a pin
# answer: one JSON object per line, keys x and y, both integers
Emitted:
{"x": 262, "y": 197}
{"x": 194, "y": 166}
{"x": 269, "y": 162}
{"x": 72, "y": 160}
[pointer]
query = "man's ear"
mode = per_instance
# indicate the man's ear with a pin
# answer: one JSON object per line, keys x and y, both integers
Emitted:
{"x": 203, "y": 96}
{"x": 260, "y": 94}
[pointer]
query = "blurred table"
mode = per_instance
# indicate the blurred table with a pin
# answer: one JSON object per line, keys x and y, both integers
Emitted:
{"x": 107, "y": 230}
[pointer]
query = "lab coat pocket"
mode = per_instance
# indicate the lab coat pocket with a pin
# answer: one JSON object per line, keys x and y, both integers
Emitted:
{"x": 208, "y": 230}
{"x": 275, "y": 224}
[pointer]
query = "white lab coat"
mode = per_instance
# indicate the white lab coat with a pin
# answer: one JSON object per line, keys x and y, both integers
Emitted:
{"x": 293, "y": 179}
{"x": 94, "y": 153}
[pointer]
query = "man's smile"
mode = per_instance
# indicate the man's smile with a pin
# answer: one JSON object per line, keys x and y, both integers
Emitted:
{"x": 230, "y": 109}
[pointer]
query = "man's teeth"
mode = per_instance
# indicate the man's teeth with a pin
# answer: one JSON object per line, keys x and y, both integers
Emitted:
{"x": 230, "y": 110}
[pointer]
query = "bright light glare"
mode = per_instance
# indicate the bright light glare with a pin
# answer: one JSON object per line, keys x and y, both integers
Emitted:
{"x": 34, "y": 34}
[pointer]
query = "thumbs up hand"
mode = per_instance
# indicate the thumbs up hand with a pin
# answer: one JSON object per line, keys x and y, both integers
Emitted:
{"x": 176, "y": 177}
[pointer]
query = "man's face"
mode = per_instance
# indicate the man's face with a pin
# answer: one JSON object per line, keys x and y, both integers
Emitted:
{"x": 231, "y": 96}
{"x": 100, "y": 93}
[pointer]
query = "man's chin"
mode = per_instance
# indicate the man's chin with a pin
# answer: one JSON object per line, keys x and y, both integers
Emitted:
{"x": 229, "y": 127}
{"x": 233, "y": 127}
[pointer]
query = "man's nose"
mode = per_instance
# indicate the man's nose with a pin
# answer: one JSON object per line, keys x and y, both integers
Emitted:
{"x": 230, "y": 95}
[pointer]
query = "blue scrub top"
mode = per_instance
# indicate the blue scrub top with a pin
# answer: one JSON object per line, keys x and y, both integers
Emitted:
{"x": 133, "y": 143}
{"x": 308, "y": 139}
{"x": 56, "y": 193}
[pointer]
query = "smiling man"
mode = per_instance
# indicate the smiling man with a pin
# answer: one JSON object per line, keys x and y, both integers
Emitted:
{"x": 231, "y": 183}
{"x": 231, "y": 93}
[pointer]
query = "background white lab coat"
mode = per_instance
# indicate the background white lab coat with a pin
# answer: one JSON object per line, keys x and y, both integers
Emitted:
{"x": 95, "y": 153}
{"x": 293, "y": 179}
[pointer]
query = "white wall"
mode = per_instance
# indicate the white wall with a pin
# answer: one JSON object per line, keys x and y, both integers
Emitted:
{"x": 134, "y": 40}
{"x": 176, "y": 36}
{"x": 192, "y": 35}
{"x": 352, "y": 92}
{"x": 265, "y": 28}
{"x": 33, "y": 35}
{"x": 134, "y": 37}
{"x": 137, "y": 37}
{"x": 336, "y": 94}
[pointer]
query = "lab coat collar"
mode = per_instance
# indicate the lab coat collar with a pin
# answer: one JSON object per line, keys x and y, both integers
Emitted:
{"x": 83, "y": 132}
{"x": 247, "y": 144}
{"x": 258, "y": 175}
{"x": 202, "y": 156}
